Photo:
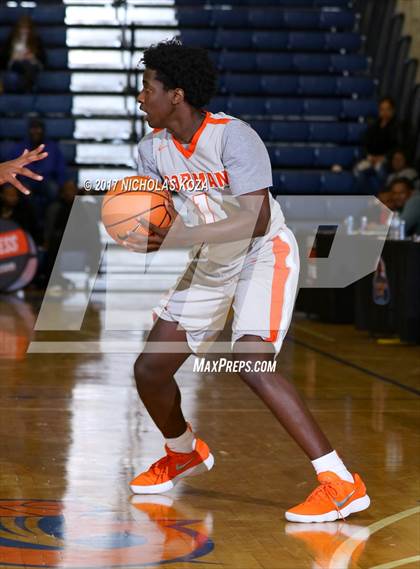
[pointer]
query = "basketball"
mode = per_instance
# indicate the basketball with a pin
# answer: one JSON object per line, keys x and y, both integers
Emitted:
{"x": 132, "y": 198}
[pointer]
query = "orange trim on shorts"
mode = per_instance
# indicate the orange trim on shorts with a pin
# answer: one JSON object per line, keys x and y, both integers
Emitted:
{"x": 156, "y": 130}
{"x": 281, "y": 251}
{"x": 189, "y": 151}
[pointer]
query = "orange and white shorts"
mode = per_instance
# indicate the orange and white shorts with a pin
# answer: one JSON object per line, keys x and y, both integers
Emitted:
{"x": 262, "y": 294}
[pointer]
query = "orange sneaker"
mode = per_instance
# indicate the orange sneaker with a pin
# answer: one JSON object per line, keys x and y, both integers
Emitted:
{"x": 333, "y": 499}
{"x": 166, "y": 472}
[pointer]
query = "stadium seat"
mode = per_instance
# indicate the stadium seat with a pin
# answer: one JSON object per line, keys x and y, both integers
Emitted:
{"x": 53, "y": 104}
{"x": 262, "y": 128}
{"x": 240, "y": 84}
{"x": 16, "y": 104}
{"x": 193, "y": 17}
{"x": 336, "y": 184}
{"x": 317, "y": 85}
{"x": 355, "y": 132}
{"x": 279, "y": 84}
{"x": 339, "y": 19}
{"x": 292, "y": 157}
{"x": 296, "y": 182}
{"x": 54, "y": 128}
{"x": 350, "y": 63}
{"x": 289, "y": 131}
{"x": 270, "y": 40}
{"x": 361, "y": 86}
{"x": 56, "y": 81}
{"x": 199, "y": 38}
{"x": 267, "y": 18}
{"x": 231, "y": 39}
{"x": 306, "y": 19}
{"x": 275, "y": 62}
{"x": 326, "y": 156}
{"x": 355, "y": 108}
{"x": 322, "y": 107}
{"x": 307, "y": 41}
{"x": 219, "y": 105}
{"x": 284, "y": 107}
{"x": 328, "y": 132}
{"x": 57, "y": 58}
{"x": 237, "y": 61}
{"x": 247, "y": 105}
{"x": 51, "y": 36}
{"x": 235, "y": 18}
{"x": 69, "y": 151}
{"x": 53, "y": 14}
{"x": 11, "y": 104}
{"x": 347, "y": 41}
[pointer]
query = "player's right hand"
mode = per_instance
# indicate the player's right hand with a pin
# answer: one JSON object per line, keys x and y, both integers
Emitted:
{"x": 17, "y": 167}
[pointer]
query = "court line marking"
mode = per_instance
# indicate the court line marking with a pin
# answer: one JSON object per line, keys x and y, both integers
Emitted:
{"x": 364, "y": 370}
{"x": 319, "y": 335}
{"x": 398, "y": 563}
{"x": 361, "y": 536}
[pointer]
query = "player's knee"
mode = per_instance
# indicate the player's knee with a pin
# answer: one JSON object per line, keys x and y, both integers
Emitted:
{"x": 147, "y": 372}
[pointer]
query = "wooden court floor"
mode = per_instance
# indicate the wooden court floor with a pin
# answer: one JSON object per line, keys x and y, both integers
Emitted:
{"x": 73, "y": 434}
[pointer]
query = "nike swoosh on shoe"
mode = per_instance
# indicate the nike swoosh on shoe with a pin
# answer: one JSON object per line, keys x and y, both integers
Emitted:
{"x": 346, "y": 499}
{"x": 179, "y": 467}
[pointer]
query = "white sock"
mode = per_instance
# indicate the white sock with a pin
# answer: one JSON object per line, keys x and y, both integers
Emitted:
{"x": 332, "y": 462}
{"x": 183, "y": 443}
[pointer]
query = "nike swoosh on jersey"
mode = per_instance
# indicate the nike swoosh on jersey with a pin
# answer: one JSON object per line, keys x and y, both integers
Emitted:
{"x": 341, "y": 503}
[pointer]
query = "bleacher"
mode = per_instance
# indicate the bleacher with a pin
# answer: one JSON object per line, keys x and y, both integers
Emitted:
{"x": 296, "y": 70}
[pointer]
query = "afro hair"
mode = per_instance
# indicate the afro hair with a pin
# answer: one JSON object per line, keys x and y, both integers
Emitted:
{"x": 188, "y": 68}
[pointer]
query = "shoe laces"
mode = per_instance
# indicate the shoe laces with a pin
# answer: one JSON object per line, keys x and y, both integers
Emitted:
{"x": 327, "y": 489}
{"x": 161, "y": 466}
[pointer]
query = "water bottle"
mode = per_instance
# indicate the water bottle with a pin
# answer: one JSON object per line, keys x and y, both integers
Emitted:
{"x": 394, "y": 232}
{"x": 402, "y": 230}
{"x": 363, "y": 224}
{"x": 349, "y": 223}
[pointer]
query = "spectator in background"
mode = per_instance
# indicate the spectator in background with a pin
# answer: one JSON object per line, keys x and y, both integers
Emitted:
{"x": 52, "y": 167}
{"x": 384, "y": 135}
{"x": 411, "y": 214}
{"x": 24, "y": 54}
{"x": 379, "y": 140}
{"x": 400, "y": 168}
{"x": 15, "y": 207}
{"x": 401, "y": 191}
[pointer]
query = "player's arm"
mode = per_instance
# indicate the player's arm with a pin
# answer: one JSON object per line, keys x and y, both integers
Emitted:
{"x": 17, "y": 167}
{"x": 248, "y": 166}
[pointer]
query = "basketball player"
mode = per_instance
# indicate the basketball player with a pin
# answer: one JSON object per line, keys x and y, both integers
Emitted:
{"x": 188, "y": 142}
{"x": 12, "y": 168}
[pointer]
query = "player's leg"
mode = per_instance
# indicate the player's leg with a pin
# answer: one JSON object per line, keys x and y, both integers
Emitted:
{"x": 340, "y": 493}
{"x": 154, "y": 376}
{"x": 282, "y": 398}
{"x": 263, "y": 308}
{"x": 186, "y": 455}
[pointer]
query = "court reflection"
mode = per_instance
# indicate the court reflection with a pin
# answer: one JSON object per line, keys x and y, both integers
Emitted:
{"x": 17, "y": 320}
{"x": 332, "y": 545}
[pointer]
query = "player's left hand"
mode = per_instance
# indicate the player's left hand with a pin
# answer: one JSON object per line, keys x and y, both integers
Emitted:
{"x": 179, "y": 237}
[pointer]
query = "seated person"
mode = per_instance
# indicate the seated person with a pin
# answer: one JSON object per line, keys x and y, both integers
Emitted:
{"x": 53, "y": 167}
{"x": 15, "y": 207}
{"x": 400, "y": 168}
{"x": 24, "y": 54}
{"x": 381, "y": 138}
{"x": 401, "y": 191}
{"x": 411, "y": 214}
